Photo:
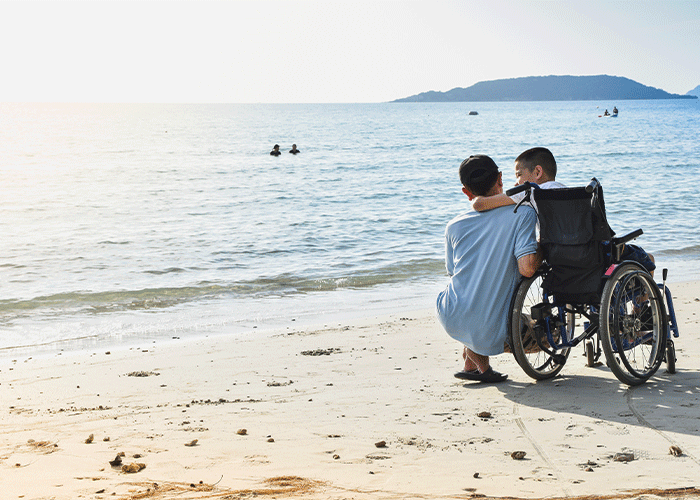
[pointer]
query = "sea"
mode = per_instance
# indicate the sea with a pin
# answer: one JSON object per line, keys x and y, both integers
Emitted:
{"x": 126, "y": 224}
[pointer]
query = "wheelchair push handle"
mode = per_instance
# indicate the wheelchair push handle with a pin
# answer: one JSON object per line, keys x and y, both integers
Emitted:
{"x": 521, "y": 188}
{"x": 592, "y": 185}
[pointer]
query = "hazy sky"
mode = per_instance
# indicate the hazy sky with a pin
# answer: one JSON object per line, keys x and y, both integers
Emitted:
{"x": 332, "y": 51}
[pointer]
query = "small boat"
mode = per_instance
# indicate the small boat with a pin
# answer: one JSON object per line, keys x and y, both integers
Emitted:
{"x": 473, "y": 113}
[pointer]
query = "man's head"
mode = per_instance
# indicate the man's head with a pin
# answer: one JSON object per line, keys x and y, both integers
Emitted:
{"x": 535, "y": 165}
{"x": 480, "y": 176}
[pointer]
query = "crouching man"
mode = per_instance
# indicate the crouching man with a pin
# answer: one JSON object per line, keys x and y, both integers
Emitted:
{"x": 485, "y": 255}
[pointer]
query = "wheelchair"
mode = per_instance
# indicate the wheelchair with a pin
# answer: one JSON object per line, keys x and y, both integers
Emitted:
{"x": 585, "y": 293}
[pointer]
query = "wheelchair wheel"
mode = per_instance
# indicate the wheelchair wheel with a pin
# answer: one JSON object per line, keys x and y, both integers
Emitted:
{"x": 632, "y": 324}
{"x": 534, "y": 361}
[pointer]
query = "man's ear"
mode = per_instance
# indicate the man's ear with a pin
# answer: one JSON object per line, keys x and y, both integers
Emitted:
{"x": 538, "y": 173}
{"x": 469, "y": 194}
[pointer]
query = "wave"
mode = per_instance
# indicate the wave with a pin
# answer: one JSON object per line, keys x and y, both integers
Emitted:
{"x": 169, "y": 270}
{"x": 691, "y": 251}
{"x": 285, "y": 284}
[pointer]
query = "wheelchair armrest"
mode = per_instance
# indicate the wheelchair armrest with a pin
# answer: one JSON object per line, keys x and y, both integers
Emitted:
{"x": 618, "y": 244}
{"x": 627, "y": 237}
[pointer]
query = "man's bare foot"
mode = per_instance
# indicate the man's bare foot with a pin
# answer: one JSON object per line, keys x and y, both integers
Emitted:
{"x": 469, "y": 365}
{"x": 475, "y": 361}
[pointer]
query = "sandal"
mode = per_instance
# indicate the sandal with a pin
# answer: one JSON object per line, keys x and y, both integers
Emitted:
{"x": 489, "y": 376}
{"x": 492, "y": 377}
{"x": 467, "y": 375}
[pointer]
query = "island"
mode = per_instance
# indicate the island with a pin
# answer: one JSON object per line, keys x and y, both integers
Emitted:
{"x": 549, "y": 88}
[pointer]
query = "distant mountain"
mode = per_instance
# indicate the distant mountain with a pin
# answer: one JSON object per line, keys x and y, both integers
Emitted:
{"x": 549, "y": 88}
{"x": 695, "y": 91}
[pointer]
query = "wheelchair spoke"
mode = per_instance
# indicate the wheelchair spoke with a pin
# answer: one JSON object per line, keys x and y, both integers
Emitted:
{"x": 537, "y": 350}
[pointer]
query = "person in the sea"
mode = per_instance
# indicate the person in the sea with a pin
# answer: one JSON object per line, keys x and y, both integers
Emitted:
{"x": 485, "y": 255}
{"x": 615, "y": 110}
{"x": 294, "y": 149}
{"x": 538, "y": 165}
{"x": 276, "y": 150}
{"x": 606, "y": 113}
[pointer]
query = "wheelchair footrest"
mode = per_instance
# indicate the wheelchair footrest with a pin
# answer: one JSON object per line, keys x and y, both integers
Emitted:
{"x": 559, "y": 359}
{"x": 541, "y": 311}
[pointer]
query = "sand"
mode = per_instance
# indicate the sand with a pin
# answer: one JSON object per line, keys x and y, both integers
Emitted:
{"x": 364, "y": 410}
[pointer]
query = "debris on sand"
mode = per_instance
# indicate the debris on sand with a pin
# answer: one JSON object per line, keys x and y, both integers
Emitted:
{"x": 141, "y": 374}
{"x": 518, "y": 455}
{"x": 133, "y": 468}
{"x": 45, "y": 447}
{"x": 321, "y": 352}
{"x": 623, "y": 457}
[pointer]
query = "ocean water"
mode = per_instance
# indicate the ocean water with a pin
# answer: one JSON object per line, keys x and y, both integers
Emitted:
{"x": 122, "y": 224}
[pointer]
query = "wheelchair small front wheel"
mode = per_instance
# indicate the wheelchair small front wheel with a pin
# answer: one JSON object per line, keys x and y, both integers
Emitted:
{"x": 632, "y": 324}
{"x": 590, "y": 354}
{"x": 534, "y": 361}
{"x": 670, "y": 357}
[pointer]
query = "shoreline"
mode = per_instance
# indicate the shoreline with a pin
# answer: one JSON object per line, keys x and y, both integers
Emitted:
{"x": 317, "y": 402}
{"x": 264, "y": 317}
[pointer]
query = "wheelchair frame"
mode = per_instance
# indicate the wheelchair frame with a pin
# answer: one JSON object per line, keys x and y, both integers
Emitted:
{"x": 631, "y": 320}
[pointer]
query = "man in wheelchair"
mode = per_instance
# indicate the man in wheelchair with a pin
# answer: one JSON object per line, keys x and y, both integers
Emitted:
{"x": 486, "y": 254}
{"x": 538, "y": 166}
{"x": 593, "y": 282}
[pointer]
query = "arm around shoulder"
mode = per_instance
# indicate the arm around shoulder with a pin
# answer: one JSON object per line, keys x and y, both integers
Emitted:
{"x": 482, "y": 203}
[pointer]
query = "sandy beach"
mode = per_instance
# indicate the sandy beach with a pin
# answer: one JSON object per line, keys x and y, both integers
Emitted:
{"x": 364, "y": 409}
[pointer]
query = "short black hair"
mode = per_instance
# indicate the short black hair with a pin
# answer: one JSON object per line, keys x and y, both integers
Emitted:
{"x": 479, "y": 174}
{"x": 539, "y": 156}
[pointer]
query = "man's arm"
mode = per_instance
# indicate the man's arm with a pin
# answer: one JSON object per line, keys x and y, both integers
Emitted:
{"x": 530, "y": 263}
{"x": 482, "y": 203}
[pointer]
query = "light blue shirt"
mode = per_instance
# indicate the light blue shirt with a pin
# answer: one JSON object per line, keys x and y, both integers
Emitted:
{"x": 481, "y": 256}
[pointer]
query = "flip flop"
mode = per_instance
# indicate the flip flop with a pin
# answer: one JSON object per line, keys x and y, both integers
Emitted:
{"x": 489, "y": 376}
{"x": 467, "y": 375}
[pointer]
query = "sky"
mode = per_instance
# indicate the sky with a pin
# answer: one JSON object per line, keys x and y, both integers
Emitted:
{"x": 332, "y": 51}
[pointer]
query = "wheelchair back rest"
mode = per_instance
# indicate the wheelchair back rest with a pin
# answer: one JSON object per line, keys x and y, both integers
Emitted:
{"x": 565, "y": 216}
{"x": 573, "y": 226}
{"x": 572, "y": 216}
